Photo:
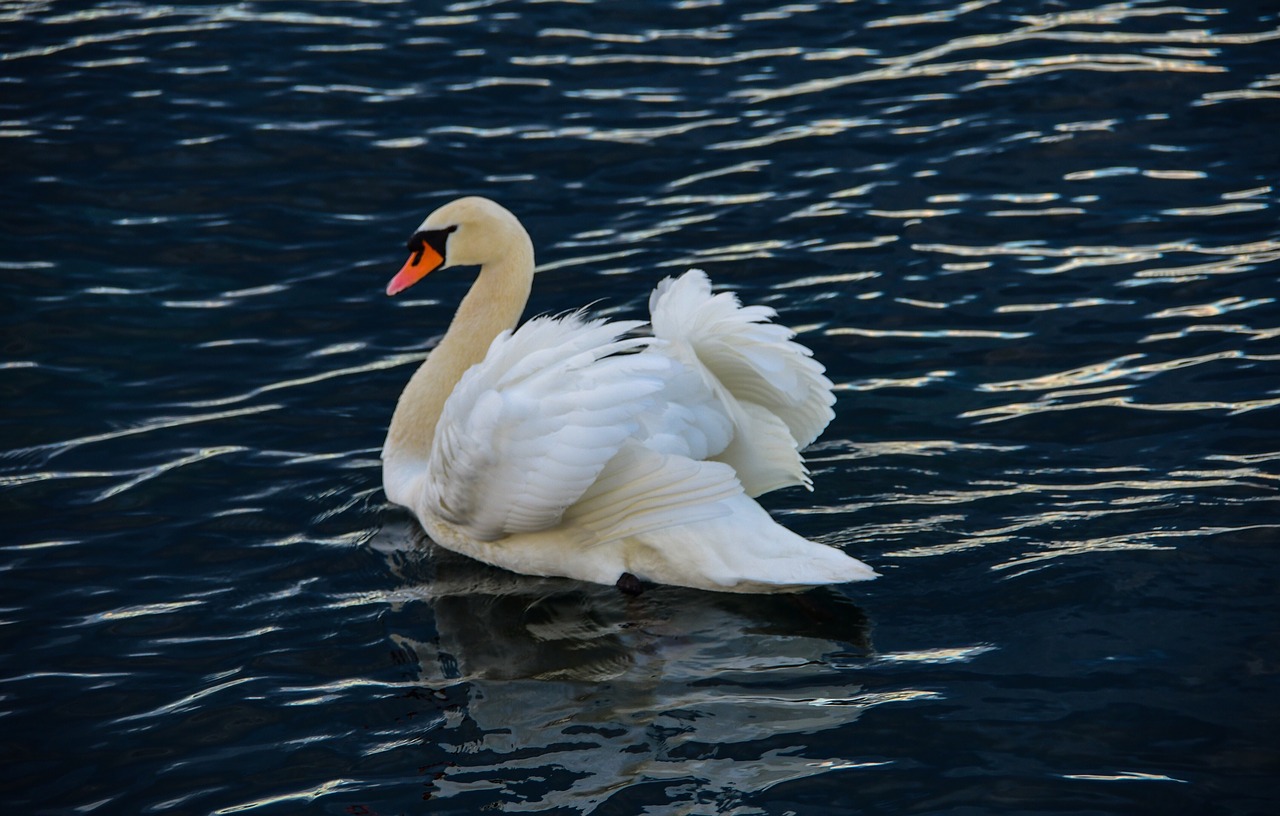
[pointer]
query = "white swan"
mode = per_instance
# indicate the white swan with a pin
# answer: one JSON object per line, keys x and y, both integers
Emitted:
{"x": 573, "y": 447}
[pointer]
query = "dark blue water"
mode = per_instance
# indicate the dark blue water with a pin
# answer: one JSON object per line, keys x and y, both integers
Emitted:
{"x": 1035, "y": 244}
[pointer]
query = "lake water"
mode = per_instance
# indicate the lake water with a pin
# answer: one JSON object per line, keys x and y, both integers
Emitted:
{"x": 1035, "y": 244}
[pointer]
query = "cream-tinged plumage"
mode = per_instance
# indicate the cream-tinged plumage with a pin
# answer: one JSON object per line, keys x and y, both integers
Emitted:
{"x": 590, "y": 449}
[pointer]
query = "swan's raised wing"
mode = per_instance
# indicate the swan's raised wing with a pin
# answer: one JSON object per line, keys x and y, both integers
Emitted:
{"x": 752, "y": 357}
{"x": 776, "y": 393}
{"x": 530, "y": 428}
{"x": 686, "y": 418}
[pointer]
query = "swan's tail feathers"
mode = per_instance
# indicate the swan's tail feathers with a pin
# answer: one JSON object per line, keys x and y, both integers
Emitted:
{"x": 748, "y": 356}
{"x": 640, "y": 491}
{"x": 746, "y": 551}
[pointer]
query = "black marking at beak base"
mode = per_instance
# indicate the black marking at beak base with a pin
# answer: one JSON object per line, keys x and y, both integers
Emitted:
{"x": 436, "y": 239}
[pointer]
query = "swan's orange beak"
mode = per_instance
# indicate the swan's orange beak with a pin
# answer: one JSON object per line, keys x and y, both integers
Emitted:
{"x": 415, "y": 269}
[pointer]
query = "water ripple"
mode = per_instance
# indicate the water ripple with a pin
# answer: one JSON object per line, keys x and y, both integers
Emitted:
{"x": 1034, "y": 246}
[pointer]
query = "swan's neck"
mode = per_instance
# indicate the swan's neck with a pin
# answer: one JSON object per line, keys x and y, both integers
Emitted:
{"x": 493, "y": 305}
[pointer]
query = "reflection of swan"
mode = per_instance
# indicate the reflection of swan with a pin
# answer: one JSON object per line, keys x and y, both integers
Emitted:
{"x": 563, "y": 448}
{"x": 690, "y": 697}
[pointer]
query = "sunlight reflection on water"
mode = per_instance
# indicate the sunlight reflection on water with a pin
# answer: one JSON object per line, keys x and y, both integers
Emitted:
{"x": 1034, "y": 246}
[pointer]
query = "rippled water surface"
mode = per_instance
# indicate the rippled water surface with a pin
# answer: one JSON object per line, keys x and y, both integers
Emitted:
{"x": 1035, "y": 244}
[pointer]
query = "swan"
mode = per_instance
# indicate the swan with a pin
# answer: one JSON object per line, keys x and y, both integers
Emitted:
{"x": 593, "y": 450}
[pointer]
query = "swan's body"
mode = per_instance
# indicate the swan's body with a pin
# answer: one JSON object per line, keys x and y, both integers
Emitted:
{"x": 566, "y": 448}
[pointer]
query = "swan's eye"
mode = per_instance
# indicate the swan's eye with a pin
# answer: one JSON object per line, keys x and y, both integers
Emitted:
{"x": 436, "y": 239}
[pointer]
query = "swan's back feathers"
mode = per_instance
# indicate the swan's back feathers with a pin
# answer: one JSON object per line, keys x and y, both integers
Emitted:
{"x": 753, "y": 359}
{"x": 531, "y": 427}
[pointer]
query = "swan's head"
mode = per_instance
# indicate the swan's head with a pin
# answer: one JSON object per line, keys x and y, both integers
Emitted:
{"x": 466, "y": 232}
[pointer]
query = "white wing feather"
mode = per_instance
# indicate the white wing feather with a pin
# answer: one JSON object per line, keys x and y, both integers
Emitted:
{"x": 776, "y": 394}
{"x": 686, "y": 418}
{"x": 754, "y": 359}
{"x": 765, "y": 456}
{"x": 641, "y": 491}
{"x": 530, "y": 428}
